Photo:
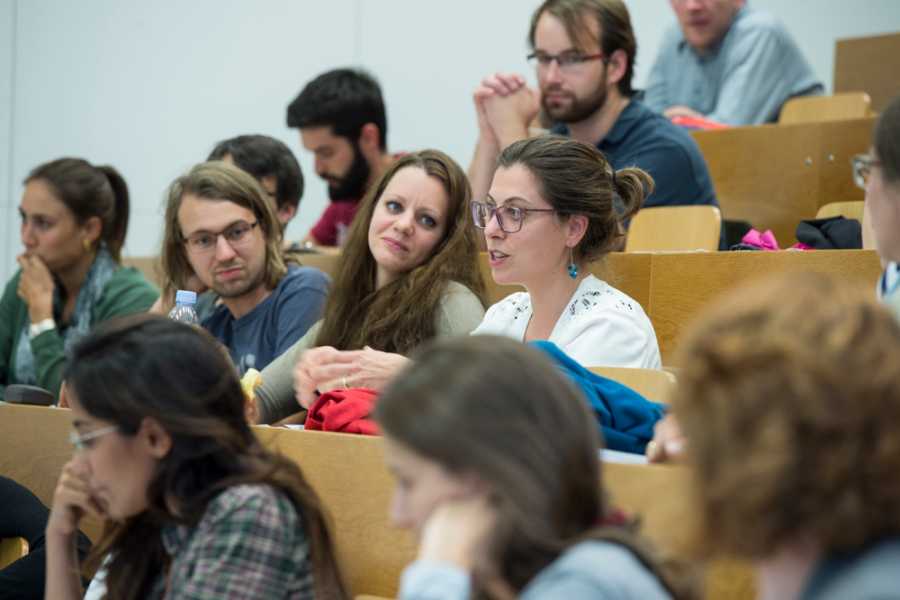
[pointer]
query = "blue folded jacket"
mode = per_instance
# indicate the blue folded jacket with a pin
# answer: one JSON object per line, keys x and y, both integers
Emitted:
{"x": 625, "y": 417}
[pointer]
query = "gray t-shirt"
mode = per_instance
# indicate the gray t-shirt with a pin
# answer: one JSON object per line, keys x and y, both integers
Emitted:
{"x": 754, "y": 70}
{"x": 592, "y": 570}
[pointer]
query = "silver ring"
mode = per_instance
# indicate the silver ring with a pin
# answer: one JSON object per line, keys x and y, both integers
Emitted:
{"x": 344, "y": 382}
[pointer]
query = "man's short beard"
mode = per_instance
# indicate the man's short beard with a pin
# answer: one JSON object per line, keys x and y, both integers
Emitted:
{"x": 579, "y": 109}
{"x": 352, "y": 186}
{"x": 251, "y": 286}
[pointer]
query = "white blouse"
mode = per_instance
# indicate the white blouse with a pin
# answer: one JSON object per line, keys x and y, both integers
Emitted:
{"x": 600, "y": 326}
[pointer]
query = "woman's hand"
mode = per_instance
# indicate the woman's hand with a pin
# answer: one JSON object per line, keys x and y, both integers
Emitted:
{"x": 72, "y": 500}
{"x": 668, "y": 441}
{"x": 305, "y": 384}
{"x": 457, "y": 531}
{"x": 326, "y": 368}
{"x": 36, "y": 287}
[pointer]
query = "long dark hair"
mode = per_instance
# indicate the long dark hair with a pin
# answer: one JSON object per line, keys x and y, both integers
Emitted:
{"x": 148, "y": 366}
{"x": 512, "y": 420}
{"x": 90, "y": 191}
{"x": 401, "y": 315}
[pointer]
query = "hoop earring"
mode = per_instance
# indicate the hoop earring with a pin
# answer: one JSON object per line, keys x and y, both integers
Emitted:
{"x": 572, "y": 268}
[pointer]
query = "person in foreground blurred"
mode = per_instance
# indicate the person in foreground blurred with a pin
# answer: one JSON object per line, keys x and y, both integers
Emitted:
{"x": 195, "y": 506}
{"x": 791, "y": 414}
{"x": 496, "y": 517}
{"x": 70, "y": 278}
{"x": 408, "y": 273}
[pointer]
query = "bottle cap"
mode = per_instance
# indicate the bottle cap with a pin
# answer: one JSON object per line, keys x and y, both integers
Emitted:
{"x": 185, "y": 297}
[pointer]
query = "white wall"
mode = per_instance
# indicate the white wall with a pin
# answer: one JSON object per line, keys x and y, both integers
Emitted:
{"x": 8, "y": 230}
{"x": 150, "y": 87}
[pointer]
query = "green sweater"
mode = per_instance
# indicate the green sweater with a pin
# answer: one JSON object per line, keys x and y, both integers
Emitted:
{"x": 126, "y": 293}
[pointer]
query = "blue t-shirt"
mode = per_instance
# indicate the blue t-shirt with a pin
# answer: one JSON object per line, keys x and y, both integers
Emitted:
{"x": 276, "y": 323}
{"x": 641, "y": 138}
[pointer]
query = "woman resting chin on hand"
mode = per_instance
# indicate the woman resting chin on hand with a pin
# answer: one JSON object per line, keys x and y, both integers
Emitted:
{"x": 499, "y": 476}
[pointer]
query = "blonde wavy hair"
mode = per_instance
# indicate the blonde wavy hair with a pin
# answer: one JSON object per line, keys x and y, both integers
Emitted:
{"x": 790, "y": 401}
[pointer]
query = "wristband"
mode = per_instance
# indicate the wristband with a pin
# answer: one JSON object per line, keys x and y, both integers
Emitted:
{"x": 36, "y": 329}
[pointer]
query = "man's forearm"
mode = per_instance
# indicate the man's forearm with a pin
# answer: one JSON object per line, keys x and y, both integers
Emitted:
{"x": 481, "y": 170}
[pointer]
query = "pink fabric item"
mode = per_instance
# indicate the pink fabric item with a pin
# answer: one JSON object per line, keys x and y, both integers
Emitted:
{"x": 764, "y": 241}
{"x": 700, "y": 123}
{"x": 801, "y": 246}
{"x": 346, "y": 411}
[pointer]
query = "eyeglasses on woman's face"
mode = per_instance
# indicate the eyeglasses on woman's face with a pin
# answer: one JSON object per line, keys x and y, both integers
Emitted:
{"x": 84, "y": 441}
{"x": 509, "y": 218}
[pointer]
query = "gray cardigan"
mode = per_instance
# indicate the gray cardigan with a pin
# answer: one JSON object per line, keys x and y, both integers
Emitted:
{"x": 460, "y": 311}
{"x": 592, "y": 570}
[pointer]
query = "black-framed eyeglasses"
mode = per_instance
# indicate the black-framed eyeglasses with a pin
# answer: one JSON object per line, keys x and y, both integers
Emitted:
{"x": 862, "y": 168}
{"x": 235, "y": 234}
{"x": 569, "y": 60}
{"x": 509, "y": 218}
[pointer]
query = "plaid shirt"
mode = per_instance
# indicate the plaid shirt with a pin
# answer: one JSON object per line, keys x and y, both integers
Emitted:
{"x": 249, "y": 544}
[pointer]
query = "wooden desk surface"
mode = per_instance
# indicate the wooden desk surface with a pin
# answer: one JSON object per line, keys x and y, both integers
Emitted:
{"x": 774, "y": 176}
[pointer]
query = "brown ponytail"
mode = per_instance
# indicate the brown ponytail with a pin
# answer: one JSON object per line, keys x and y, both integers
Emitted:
{"x": 90, "y": 191}
{"x": 632, "y": 185}
{"x": 576, "y": 179}
{"x": 115, "y": 231}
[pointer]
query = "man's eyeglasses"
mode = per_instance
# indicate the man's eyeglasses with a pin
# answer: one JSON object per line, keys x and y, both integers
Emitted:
{"x": 83, "y": 441}
{"x": 235, "y": 234}
{"x": 509, "y": 218}
{"x": 862, "y": 168}
{"x": 567, "y": 61}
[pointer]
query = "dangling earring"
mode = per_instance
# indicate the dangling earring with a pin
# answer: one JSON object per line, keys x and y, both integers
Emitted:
{"x": 572, "y": 268}
{"x": 86, "y": 243}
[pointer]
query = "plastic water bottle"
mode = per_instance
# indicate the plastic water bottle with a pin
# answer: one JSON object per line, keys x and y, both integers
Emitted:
{"x": 184, "y": 311}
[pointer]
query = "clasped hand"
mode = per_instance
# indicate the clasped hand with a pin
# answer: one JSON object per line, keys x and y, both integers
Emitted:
{"x": 326, "y": 368}
{"x": 505, "y": 106}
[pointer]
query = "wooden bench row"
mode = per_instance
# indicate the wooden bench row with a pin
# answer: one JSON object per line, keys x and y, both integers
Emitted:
{"x": 674, "y": 287}
{"x": 349, "y": 474}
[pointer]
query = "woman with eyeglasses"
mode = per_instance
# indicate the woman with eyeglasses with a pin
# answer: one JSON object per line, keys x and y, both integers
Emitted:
{"x": 195, "y": 506}
{"x": 74, "y": 221}
{"x": 555, "y": 205}
{"x": 407, "y": 274}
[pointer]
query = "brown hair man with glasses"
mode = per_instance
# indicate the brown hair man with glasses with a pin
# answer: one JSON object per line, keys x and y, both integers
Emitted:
{"x": 583, "y": 52}
{"x": 223, "y": 235}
